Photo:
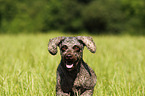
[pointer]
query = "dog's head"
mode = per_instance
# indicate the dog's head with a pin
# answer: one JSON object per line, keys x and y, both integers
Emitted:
{"x": 71, "y": 49}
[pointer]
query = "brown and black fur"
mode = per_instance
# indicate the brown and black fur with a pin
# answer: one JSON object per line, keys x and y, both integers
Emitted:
{"x": 74, "y": 76}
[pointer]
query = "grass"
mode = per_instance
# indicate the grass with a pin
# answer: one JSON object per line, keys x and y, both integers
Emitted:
{"x": 26, "y": 67}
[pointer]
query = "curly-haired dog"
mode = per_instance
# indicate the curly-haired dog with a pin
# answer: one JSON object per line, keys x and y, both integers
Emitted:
{"x": 74, "y": 76}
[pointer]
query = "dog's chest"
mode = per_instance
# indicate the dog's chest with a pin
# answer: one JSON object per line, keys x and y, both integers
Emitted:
{"x": 76, "y": 85}
{"x": 79, "y": 82}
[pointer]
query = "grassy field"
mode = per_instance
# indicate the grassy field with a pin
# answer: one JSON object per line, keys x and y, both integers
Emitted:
{"x": 27, "y": 69}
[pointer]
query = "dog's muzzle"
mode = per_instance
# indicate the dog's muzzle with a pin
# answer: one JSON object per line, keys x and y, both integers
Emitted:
{"x": 70, "y": 61}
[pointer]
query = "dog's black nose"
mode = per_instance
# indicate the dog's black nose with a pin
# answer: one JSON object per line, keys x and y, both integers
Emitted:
{"x": 69, "y": 56}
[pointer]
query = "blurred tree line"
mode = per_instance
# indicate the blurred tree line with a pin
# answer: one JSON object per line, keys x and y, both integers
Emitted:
{"x": 93, "y": 16}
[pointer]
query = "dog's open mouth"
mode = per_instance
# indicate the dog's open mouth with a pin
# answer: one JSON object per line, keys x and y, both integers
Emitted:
{"x": 70, "y": 64}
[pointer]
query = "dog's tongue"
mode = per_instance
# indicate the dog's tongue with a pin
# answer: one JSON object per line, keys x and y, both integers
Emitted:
{"x": 69, "y": 66}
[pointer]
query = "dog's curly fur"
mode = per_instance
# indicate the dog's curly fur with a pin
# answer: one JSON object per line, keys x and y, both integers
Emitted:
{"x": 74, "y": 76}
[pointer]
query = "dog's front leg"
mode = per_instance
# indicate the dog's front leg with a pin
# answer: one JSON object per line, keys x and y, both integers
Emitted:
{"x": 60, "y": 93}
{"x": 87, "y": 93}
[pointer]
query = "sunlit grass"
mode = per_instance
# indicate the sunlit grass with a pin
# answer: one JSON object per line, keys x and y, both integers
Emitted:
{"x": 26, "y": 67}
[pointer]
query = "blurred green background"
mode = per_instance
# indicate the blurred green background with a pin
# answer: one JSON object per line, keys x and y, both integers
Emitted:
{"x": 92, "y": 16}
{"x": 26, "y": 68}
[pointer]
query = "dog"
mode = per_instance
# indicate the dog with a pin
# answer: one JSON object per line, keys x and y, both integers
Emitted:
{"x": 74, "y": 76}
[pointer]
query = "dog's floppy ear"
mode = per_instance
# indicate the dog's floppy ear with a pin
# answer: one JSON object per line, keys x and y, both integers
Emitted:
{"x": 88, "y": 41}
{"x": 53, "y": 43}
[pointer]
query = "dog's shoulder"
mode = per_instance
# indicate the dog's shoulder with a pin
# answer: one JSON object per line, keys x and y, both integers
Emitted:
{"x": 88, "y": 70}
{"x": 86, "y": 77}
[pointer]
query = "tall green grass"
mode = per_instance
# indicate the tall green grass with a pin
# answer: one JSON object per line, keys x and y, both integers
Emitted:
{"x": 26, "y": 67}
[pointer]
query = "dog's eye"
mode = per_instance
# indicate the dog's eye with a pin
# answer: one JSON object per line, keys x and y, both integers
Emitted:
{"x": 63, "y": 48}
{"x": 76, "y": 48}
